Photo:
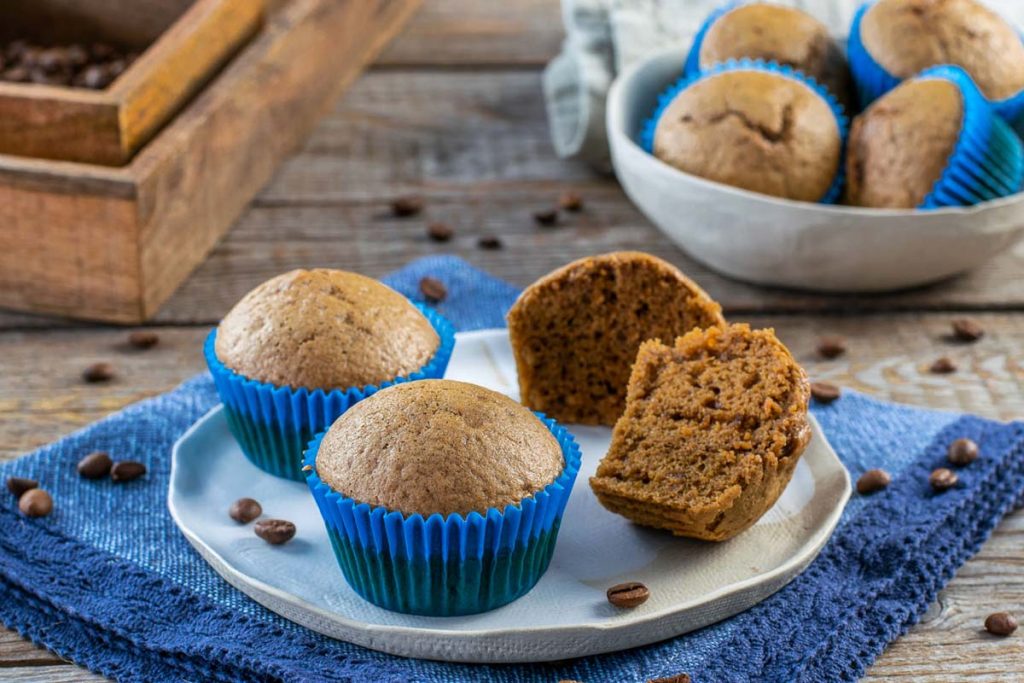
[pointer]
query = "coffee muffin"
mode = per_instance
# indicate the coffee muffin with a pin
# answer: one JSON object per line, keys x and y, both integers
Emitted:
{"x": 753, "y": 126}
{"x": 772, "y": 33}
{"x": 904, "y": 37}
{"x": 933, "y": 141}
{"x": 442, "y": 497}
{"x": 576, "y": 331}
{"x": 301, "y": 348}
{"x": 713, "y": 428}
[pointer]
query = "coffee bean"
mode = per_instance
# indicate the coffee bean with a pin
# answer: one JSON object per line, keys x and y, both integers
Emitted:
{"x": 433, "y": 290}
{"x": 98, "y": 372}
{"x": 489, "y": 242}
{"x": 18, "y": 485}
{"x": 825, "y": 392}
{"x": 440, "y": 232}
{"x": 962, "y": 452}
{"x": 127, "y": 470}
{"x": 1001, "y": 624}
{"x": 571, "y": 201}
{"x": 244, "y": 510}
{"x": 35, "y": 503}
{"x": 943, "y": 366}
{"x": 94, "y": 77}
{"x": 143, "y": 339}
{"x": 275, "y": 531}
{"x": 546, "y": 218}
{"x": 831, "y": 346}
{"x": 967, "y": 330}
{"x": 943, "y": 479}
{"x": 17, "y": 74}
{"x": 95, "y": 465}
{"x": 629, "y": 594}
{"x": 873, "y": 481}
{"x": 406, "y": 206}
{"x": 678, "y": 678}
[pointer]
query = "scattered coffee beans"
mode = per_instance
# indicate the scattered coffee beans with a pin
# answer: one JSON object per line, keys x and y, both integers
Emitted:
{"x": 1001, "y": 624}
{"x": 127, "y": 470}
{"x": 825, "y": 392}
{"x": 94, "y": 67}
{"x": 943, "y": 366}
{"x": 275, "y": 531}
{"x": 678, "y": 678}
{"x": 404, "y": 207}
{"x": 629, "y": 594}
{"x": 943, "y": 479}
{"x": 244, "y": 510}
{"x": 873, "y": 481}
{"x": 546, "y": 218}
{"x": 35, "y": 503}
{"x": 571, "y": 201}
{"x": 962, "y": 452}
{"x": 19, "y": 485}
{"x": 95, "y": 465}
{"x": 98, "y": 372}
{"x": 967, "y": 330}
{"x": 489, "y": 242}
{"x": 440, "y": 232}
{"x": 433, "y": 290}
{"x": 143, "y": 339}
{"x": 831, "y": 346}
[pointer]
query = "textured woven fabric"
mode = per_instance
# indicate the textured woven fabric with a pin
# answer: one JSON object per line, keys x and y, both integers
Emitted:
{"x": 109, "y": 582}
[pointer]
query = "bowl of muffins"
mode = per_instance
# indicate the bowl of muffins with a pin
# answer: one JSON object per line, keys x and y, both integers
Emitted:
{"x": 780, "y": 151}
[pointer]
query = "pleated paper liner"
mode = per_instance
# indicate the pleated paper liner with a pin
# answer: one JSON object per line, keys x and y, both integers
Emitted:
{"x": 446, "y": 565}
{"x": 273, "y": 424}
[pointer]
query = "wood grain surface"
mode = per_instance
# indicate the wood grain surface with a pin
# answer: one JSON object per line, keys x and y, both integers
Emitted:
{"x": 453, "y": 113}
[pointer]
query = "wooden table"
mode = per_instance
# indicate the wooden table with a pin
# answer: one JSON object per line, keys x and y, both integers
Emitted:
{"x": 453, "y": 112}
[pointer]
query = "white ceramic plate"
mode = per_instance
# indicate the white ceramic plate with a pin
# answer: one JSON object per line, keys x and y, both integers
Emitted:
{"x": 566, "y": 615}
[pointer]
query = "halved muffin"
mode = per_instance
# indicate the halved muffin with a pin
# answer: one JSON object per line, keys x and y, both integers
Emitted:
{"x": 713, "y": 429}
{"x": 576, "y": 331}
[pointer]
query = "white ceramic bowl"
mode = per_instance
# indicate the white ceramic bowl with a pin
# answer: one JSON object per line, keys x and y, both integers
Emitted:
{"x": 773, "y": 241}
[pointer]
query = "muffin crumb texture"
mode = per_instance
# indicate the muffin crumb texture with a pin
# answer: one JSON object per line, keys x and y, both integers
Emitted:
{"x": 576, "y": 331}
{"x": 324, "y": 329}
{"x": 713, "y": 428}
{"x": 438, "y": 446}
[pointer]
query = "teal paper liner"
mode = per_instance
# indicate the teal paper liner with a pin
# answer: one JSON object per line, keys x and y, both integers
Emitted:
{"x": 988, "y": 160}
{"x": 273, "y": 424}
{"x": 650, "y": 125}
{"x": 691, "y": 67}
{"x": 872, "y": 80}
{"x": 446, "y": 566}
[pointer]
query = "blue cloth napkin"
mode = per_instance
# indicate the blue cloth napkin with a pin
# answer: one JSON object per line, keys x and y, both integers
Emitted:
{"x": 108, "y": 581}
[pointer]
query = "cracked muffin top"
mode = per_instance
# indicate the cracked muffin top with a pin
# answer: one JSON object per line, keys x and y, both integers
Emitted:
{"x": 438, "y": 446}
{"x": 755, "y": 130}
{"x": 324, "y": 329}
{"x": 786, "y": 35}
{"x": 900, "y": 146}
{"x": 907, "y": 36}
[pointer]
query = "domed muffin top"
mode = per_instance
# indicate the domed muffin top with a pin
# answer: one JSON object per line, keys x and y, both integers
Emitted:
{"x": 438, "y": 446}
{"x": 908, "y": 36}
{"x": 755, "y": 130}
{"x": 900, "y": 146}
{"x": 324, "y": 329}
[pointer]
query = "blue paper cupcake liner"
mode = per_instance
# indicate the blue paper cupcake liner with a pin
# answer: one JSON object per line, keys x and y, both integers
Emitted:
{"x": 691, "y": 67}
{"x": 446, "y": 566}
{"x": 872, "y": 80}
{"x": 273, "y": 424}
{"x": 988, "y": 160}
{"x": 650, "y": 126}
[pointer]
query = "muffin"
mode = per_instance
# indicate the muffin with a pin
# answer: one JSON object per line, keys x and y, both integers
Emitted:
{"x": 441, "y": 497}
{"x": 713, "y": 428}
{"x": 773, "y": 33}
{"x": 301, "y": 348}
{"x": 576, "y": 331}
{"x": 933, "y": 141}
{"x": 754, "y": 126}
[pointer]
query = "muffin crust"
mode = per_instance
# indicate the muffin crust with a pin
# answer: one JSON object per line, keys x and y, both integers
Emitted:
{"x": 324, "y": 329}
{"x": 438, "y": 446}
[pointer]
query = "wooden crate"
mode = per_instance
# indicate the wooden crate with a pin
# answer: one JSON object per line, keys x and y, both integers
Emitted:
{"x": 111, "y": 244}
{"x": 183, "y": 43}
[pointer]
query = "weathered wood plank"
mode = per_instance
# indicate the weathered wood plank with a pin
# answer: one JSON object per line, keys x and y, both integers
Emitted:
{"x": 61, "y": 673}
